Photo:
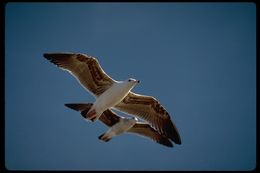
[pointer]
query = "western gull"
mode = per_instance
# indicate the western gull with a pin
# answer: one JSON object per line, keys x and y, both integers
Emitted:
{"x": 110, "y": 93}
{"x": 119, "y": 125}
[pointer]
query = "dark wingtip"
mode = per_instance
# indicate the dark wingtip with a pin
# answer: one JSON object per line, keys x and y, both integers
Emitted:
{"x": 67, "y": 104}
{"x": 179, "y": 142}
{"x": 164, "y": 141}
{"x": 79, "y": 106}
{"x": 100, "y": 136}
{"x": 58, "y": 54}
{"x": 173, "y": 133}
{"x": 105, "y": 139}
{"x": 47, "y": 56}
{"x": 84, "y": 113}
{"x": 72, "y": 106}
{"x": 167, "y": 143}
{"x": 177, "y": 138}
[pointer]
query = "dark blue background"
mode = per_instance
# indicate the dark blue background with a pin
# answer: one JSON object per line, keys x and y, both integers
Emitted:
{"x": 197, "y": 59}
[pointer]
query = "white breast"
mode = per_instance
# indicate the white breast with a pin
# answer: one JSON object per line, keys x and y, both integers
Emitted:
{"x": 111, "y": 97}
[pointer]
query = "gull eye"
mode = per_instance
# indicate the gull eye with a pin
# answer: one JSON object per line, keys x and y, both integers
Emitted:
{"x": 129, "y": 80}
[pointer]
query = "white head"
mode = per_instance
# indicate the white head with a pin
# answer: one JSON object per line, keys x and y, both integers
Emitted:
{"x": 128, "y": 85}
{"x": 132, "y": 82}
{"x": 131, "y": 120}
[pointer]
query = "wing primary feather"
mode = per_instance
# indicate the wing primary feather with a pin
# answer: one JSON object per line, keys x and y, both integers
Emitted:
{"x": 145, "y": 130}
{"x": 86, "y": 69}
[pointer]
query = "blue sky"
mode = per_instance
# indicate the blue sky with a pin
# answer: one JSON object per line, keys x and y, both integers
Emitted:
{"x": 197, "y": 59}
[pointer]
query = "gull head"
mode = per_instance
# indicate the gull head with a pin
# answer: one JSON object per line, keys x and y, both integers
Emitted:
{"x": 132, "y": 81}
{"x": 128, "y": 85}
{"x": 131, "y": 120}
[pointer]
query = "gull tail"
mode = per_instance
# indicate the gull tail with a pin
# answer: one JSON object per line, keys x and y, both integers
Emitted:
{"x": 91, "y": 114}
{"x": 104, "y": 137}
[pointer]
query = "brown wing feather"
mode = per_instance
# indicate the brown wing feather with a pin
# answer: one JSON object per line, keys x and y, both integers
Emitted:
{"x": 146, "y": 130}
{"x": 79, "y": 106}
{"x": 108, "y": 117}
{"x": 150, "y": 110}
{"x": 85, "y": 68}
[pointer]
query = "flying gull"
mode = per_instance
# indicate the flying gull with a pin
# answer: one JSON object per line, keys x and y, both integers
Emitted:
{"x": 119, "y": 125}
{"x": 110, "y": 93}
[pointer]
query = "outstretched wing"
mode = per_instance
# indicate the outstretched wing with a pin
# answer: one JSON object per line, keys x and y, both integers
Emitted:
{"x": 150, "y": 110}
{"x": 110, "y": 118}
{"x": 85, "y": 69}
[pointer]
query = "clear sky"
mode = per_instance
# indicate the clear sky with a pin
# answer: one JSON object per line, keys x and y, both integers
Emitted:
{"x": 197, "y": 59}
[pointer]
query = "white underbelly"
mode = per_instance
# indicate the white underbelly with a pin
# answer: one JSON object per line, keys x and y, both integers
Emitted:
{"x": 121, "y": 127}
{"x": 110, "y": 98}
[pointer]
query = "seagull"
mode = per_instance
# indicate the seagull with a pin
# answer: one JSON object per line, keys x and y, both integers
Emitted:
{"x": 112, "y": 94}
{"x": 119, "y": 125}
